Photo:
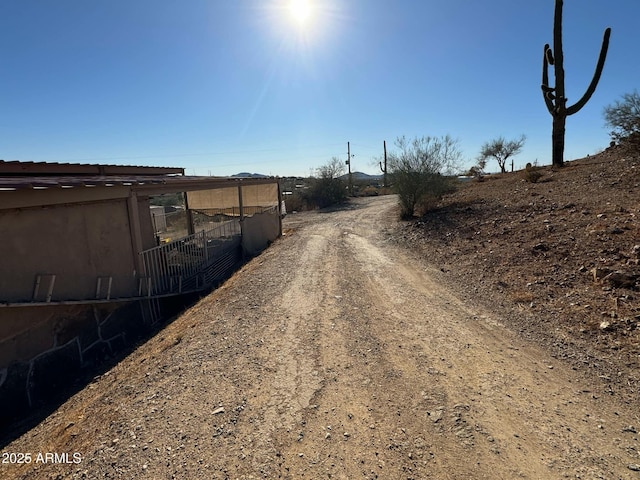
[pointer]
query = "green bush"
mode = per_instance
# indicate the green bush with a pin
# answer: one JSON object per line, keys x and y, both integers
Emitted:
{"x": 325, "y": 192}
{"x": 417, "y": 169}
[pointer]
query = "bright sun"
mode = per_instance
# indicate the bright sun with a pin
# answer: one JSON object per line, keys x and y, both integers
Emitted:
{"x": 300, "y": 10}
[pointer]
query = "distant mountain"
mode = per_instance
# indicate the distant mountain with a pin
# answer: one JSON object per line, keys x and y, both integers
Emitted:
{"x": 360, "y": 176}
{"x": 249, "y": 175}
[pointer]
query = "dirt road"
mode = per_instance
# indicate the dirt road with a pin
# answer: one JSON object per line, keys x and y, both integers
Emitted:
{"x": 335, "y": 354}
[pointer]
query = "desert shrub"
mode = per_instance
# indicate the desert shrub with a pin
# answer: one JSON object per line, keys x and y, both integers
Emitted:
{"x": 325, "y": 192}
{"x": 369, "y": 192}
{"x": 532, "y": 174}
{"x": 475, "y": 171}
{"x": 623, "y": 117}
{"x": 295, "y": 202}
{"x": 327, "y": 189}
{"x": 631, "y": 142}
{"x": 429, "y": 202}
{"x": 417, "y": 170}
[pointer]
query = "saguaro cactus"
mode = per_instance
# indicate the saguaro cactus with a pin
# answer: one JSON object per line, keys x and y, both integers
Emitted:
{"x": 554, "y": 97}
{"x": 384, "y": 168}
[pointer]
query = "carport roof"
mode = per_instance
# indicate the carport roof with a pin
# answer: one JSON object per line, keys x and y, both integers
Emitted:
{"x": 20, "y": 168}
{"x": 25, "y": 176}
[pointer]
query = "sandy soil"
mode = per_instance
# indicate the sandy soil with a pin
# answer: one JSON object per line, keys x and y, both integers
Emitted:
{"x": 339, "y": 354}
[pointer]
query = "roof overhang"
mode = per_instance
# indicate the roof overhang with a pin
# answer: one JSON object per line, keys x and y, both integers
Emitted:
{"x": 14, "y": 167}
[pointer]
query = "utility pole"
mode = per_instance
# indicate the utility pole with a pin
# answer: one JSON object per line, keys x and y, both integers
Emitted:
{"x": 349, "y": 165}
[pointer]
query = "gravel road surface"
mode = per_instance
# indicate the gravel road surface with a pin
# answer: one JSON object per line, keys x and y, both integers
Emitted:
{"x": 337, "y": 354}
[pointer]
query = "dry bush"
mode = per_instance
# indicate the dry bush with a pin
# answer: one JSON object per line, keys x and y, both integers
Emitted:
{"x": 532, "y": 174}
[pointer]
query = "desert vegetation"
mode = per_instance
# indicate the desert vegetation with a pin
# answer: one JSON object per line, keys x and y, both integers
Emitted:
{"x": 419, "y": 169}
{"x": 623, "y": 117}
{"x": 554, "y": 97}
{"x": 500, "y": 150}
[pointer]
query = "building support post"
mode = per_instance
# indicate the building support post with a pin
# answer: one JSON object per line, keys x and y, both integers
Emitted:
{"x": 135, "y": 231}
{"x": 279, "y": 210}
{"x": 190, "y": 228}
{"x": 240, "y": 205}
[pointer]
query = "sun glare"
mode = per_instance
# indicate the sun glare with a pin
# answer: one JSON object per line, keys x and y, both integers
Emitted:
{"x": 303, "y": 25}
{"x": 300, "y": 10}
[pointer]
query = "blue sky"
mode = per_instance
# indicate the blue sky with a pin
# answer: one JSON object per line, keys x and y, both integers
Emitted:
{"x": 223, "y": 86}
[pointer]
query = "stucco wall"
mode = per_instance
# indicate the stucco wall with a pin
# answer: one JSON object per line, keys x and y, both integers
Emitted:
{"x": 258, "y": 231}
{"x": 78, "y": 243}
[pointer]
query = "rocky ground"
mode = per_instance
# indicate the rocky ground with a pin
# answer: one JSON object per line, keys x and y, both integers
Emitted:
{"x": 559, "y": 258}
{"x": 484, "y": 340}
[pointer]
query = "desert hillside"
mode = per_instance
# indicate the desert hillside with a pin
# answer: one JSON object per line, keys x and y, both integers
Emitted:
{"x": 559, "y": 256}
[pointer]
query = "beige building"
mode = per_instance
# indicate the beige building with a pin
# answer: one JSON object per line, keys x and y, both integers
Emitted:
{"x": 85, "y": 269}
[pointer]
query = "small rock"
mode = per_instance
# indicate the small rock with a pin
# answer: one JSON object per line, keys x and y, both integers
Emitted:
{"x": 218, "y": 410}
{"x": 629, "y": 429}
{"x": 634, "y": 466}
{"x": 605, "y": 325}
{"x": 435, "y": 416}
{"x": 541, "y": 247}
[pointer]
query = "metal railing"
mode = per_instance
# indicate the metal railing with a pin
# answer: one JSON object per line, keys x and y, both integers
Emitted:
{"x": 179, "y": 266}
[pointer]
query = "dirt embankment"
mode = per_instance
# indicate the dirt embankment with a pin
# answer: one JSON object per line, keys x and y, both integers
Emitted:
{"x": 339, "y": 354}
{"x": 559, "y": 258}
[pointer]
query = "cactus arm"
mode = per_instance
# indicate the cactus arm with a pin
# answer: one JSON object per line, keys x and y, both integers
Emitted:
{"x": 596, "y": 76}
{"x": 549, "y": 56}
{"x": 545, "y": 80}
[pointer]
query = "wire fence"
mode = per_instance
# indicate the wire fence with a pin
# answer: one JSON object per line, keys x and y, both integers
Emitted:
{"x": 180, "y": 266}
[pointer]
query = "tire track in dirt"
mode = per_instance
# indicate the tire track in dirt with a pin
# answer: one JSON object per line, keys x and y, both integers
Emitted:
{"x": 484, "y": 390}
{"x": 364, "y": 424}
